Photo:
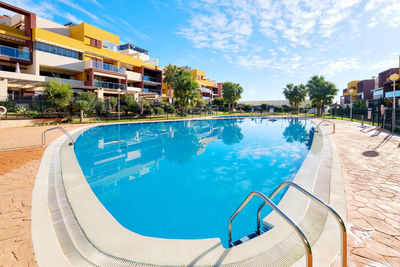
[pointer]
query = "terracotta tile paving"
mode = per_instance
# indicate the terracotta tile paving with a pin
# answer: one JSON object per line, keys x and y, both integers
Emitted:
{"x": 371, "y": 173}
{"x": 18, "y": 170}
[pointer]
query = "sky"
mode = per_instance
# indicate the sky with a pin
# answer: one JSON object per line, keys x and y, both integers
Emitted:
{"x": 260, "y": 44}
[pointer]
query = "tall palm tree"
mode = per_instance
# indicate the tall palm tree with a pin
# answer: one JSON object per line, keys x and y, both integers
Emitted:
{"x": 170, "y": 73}
{"x": 299, "y": 95}
{"x": 321, "y": 92}
{"x": 288, "y": 92}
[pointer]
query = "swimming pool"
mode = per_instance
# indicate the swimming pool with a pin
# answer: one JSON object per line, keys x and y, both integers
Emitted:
{"x": 184, "y": 179}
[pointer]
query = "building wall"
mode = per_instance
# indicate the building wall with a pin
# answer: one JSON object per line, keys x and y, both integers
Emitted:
{"x": 52, "y": 37}
{"x": 52, "y": 26}
{"x": 82, "y": 31}
{"x": 365, "y": 87}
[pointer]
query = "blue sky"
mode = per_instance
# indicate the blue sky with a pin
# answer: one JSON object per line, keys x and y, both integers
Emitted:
{"x": 261, "y": 44}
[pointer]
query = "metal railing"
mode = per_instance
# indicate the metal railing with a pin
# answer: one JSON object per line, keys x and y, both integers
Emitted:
{"x": 14, "y": 52}
{"x": 109, "y": 85}
{"x": 302, "y": 236}
{"x": 343, "y": 249}
{"x": 104, "y": 66}
{"x": 334, "y": 126}
{"x": 55, "y": 128}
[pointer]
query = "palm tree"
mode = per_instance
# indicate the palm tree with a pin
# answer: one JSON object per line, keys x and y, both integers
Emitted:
{"x": 321, "y": 92}
{"x": 170, "y": 73}
{"x": 296, "y": 94}
{"x": 289, "y": 93}
{"x": 300, "y": 93}
{"x": 186, "y": 90}
{"x": 231, "y": 92}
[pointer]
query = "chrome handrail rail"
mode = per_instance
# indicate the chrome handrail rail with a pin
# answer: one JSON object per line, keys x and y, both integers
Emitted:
{"x": 55, "y": 128}
{"x": 334, "y": 126}
{"x": 283, "y": 215}
{"x": 343, "y": 249}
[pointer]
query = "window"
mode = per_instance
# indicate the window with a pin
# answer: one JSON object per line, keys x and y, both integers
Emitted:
{"x": 95, "y": 42}
{"x": 56, "y": 50}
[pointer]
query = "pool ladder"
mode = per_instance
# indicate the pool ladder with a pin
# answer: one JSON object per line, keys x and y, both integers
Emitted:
{"x": 302, "y": 236}
{"x": 56, "y": 128}
{"x": 333, "y": 124}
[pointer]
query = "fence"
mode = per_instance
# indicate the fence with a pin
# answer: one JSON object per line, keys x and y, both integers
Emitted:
{"x": 375, "y": 118}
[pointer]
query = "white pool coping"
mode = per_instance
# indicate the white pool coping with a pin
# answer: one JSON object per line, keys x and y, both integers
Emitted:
{"x": 105, "y": 240}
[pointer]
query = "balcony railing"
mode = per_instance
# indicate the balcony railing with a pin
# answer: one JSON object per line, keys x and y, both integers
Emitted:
{"x": 104, "y": 66}
{"x": 109, "y": 85}
{"x": 148, "y": 90}
{"x": 14, "y": 53}
{"x": 149, "y": 79}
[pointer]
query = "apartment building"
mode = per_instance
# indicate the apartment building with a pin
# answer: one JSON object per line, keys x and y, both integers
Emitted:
{"x": 371, "y": 90}
{"x": 209, "y": 89}
{"x": 34, "y": 50}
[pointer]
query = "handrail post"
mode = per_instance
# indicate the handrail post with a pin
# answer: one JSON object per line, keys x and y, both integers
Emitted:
{"x": 334, "y": 125}
{"x": 343, "y": 237}
{"x": 306, "y": 244}
{"x": 55, "y": 128}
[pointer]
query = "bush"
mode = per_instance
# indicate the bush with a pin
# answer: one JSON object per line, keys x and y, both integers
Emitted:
{"x": 10, "y": 105}
{"x": 31, "y": 113}
{"x": 102, "y": 108}
{"x": 20, "y": 109}
{"x": 36, "y": 106}
{"x": 158, "y": 110}
{"x": 170, "y": 109}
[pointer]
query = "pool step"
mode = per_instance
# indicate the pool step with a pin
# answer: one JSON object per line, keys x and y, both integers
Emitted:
{"x": 264, "y": 228}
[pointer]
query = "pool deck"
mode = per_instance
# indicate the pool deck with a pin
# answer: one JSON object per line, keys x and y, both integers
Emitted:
{"x": 371, "y": 173}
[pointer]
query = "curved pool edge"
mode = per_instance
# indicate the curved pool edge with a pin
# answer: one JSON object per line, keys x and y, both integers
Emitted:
{"x": 204, "y": 252}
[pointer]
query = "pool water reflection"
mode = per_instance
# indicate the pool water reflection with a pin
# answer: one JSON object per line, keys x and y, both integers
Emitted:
{"x": 184, "y": 179}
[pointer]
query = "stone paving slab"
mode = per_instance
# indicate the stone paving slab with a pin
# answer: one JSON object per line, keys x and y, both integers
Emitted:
{"x": 371, "y": 172}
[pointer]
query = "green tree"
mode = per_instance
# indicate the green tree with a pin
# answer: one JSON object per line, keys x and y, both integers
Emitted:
{"x": 58, "y": 94}
{"x": 264, "y": 107}
{"x": 296, "y": 94}
{"x": 113, "y": 102}
{"x": 321, "y": 92}
{"x": 219, "y": 101}
{"x": 84, "y": 102}
{"x": 170, "y": 73}
{"x": 231, "y": 92}
{"x": 130, "y": 105}
{"x": 186, "y": 90}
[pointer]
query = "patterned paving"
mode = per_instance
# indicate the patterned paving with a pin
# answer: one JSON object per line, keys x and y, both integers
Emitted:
{"x": 371, "y": 173}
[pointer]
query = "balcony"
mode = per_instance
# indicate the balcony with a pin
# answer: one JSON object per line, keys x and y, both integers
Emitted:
{"x": 149, "y": 90}
{"x": 109, "y": 85}
{"x": 14, "y": 53}
{"x": 150, "y": 80}
{"x": 133, "y": 76}
{"x": 104, "y": 66}
{"x": 205, "y": 90}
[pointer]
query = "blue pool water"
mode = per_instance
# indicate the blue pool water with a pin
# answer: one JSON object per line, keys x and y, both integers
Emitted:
{"x": 184, "y": 179}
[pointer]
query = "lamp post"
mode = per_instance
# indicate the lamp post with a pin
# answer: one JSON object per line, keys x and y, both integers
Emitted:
{"x": 394, "y": 77}
{"x": 119, "y": 104}
{"x": 351, "y": 103}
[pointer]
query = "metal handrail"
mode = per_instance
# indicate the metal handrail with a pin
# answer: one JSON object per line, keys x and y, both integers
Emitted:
{"x": 55, "y": 128}
{"x": 283, "y": 215}
{"x": 334, "y": 126}
{"x": 343, "y": 249}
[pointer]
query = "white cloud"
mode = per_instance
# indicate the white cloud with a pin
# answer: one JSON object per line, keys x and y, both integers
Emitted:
{"x": 79, "y": 8}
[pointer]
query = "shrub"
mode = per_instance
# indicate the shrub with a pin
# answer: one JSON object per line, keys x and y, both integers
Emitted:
{"x": 20, "y": 109}
{"x": 158, "y": 110}
{"x": 31, "y": 113}
{"x": 10, "y": 105}
{"x": 169, "y": 109}
{"x": 102, "y": 108}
